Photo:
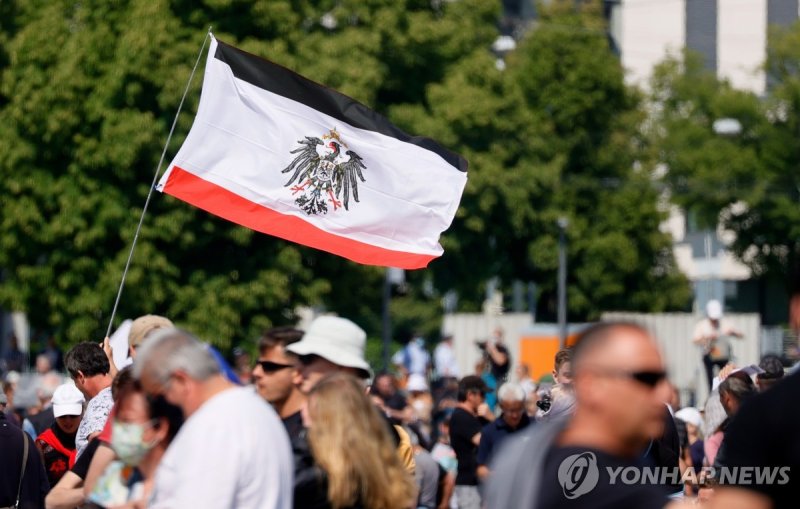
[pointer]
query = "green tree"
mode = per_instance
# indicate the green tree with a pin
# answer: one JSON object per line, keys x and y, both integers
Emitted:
{"x": 88, "y": 91}
{"x": 749, "y": 182}
{"x": 87, "y": 96}
{"x": 556, "y": 133}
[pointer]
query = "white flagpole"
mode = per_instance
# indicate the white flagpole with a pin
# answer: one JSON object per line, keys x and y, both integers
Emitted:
{"x": 153, "y": 185}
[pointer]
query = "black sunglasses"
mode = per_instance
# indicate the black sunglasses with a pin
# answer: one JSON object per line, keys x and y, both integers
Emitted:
{"x": 272, "y": 367}
{"x": 647, "y": 378}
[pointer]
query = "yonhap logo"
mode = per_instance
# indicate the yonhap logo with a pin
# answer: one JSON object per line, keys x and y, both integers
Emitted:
{"x": 578, "y": 474}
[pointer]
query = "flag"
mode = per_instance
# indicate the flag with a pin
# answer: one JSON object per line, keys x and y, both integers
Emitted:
{"x": 283, "y": 155}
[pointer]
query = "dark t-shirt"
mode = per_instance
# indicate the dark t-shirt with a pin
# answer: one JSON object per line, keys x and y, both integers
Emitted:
{"x": 396, "y": 402}
{"x": 500, "y": 371}
{"x": 493, "y": 435}
{"x": 577, "y": 482}
{"x": 34, "y": 481}
{"x": 81, "y": 467}
{"x": 697, "y": 454}
{"x": 464, "y": 426}
{"x": 765, "y": 434}
{"x": 294, "y": 425}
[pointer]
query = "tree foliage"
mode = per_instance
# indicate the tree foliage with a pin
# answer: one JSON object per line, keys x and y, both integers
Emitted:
{"x": 749, "y": 181}
{"x": 88, "y": 91}
{"x": 554, "y": 134}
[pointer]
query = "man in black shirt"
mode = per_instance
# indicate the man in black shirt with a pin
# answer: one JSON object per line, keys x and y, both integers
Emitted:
{"x": 498, "y": 356}
{"x": 511, "y": 398}
{"x": 277, "y": 376}
{"x": 465, "y": 435}
{"x": 593, "y": 459}
{"x": 764, "y": 435}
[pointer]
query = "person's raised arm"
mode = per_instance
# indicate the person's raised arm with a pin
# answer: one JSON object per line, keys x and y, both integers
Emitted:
{"x": 109, "y": 351}
{"x": 499, "y": 357}
{"x": 102, "y": 458}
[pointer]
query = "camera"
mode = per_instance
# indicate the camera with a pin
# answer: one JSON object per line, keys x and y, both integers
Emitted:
{"x": 544, "y": 403}
{"x": 481, "y": 344}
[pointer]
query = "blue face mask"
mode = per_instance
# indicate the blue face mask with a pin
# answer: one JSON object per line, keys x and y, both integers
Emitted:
{"x": 127, "y": 442}
{"x": 420, "y": 342}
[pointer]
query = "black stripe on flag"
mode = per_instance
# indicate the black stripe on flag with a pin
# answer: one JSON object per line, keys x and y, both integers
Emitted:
{"x": 282, "y": 81}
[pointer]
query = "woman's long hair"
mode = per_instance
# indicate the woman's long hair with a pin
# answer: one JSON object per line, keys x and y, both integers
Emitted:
{"x": 351, "y": 442}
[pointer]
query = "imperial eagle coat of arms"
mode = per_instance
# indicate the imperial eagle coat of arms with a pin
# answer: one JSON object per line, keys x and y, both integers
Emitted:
{"x": 324, "y": 172}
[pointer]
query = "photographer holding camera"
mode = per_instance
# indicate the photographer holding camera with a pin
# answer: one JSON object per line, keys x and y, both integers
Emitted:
{"x": 497, "y": 356}
{"x": 559, "y": 400}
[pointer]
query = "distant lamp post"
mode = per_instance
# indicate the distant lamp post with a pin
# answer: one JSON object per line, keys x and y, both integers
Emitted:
{"x": 727, "y": 127}
{"x": 562, "y": 281}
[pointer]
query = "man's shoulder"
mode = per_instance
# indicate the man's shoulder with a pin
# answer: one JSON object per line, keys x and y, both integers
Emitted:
{"x": 238, "y": 402}
{"x": 769, "y": 417}
{"x": 772, "y": 408}
{"x": 492, "y": 428}
{"x": 461, "y": 415}
{"x": 425, "y": 462}
{"x": 101, "y": 400}
{"x": 702, "y": 325}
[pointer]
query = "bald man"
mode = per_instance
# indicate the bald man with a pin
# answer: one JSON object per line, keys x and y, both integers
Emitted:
{"x": 620, "y": 388}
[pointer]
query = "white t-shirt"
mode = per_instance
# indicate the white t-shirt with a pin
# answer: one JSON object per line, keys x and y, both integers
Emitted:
{"x": 94, "y": 419}
{"x": 413, "y": 357}
{"x": 444, "y": 359}
{"x": 233, "y": 452}
{"x": 715, "y": 340}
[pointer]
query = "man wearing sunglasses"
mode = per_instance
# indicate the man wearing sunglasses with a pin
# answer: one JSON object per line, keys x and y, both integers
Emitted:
{"x": 277, "y": 377}
{"x": 621, "y": 390}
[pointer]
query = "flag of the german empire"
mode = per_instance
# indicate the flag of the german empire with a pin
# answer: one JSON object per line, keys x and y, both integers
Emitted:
{"x": 283, "y": 155}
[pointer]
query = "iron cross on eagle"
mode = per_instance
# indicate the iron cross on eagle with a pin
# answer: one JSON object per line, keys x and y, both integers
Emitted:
{"x": 324, "y": 173}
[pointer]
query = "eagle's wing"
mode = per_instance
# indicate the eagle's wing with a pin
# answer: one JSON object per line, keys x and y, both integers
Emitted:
{"x": 305, "y": 162}
{"x": 346, "y": 175}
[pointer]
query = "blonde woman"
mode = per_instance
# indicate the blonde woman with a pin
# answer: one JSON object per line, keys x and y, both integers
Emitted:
{"x": 352, "y": 446}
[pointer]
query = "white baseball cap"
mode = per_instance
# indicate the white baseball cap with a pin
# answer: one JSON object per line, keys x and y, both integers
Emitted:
{"x": 67, "y": 400}
{"x": 714, "y": 309}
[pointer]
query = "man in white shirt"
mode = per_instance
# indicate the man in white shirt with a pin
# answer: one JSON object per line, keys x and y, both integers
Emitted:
{"x": 90, "y": 369}
{"x": 413, "y": 358}
{"x": 713, "y": 334}
{"x": 444, "y": 359}
{"x": 232, "y": 451}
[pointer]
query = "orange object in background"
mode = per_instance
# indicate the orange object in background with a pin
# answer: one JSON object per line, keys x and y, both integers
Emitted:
{"x": 539, "y": 344}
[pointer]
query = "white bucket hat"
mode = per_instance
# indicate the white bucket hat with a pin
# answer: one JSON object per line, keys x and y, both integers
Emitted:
{"x": 335, "y": 339}
{"x": 67, "y": 400}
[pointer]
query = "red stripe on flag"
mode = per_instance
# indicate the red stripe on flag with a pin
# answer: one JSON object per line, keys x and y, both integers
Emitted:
{"x": 226, "y": 204}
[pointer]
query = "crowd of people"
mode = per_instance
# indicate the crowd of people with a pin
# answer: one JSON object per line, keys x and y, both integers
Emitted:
{"x": 310, "y": 425}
